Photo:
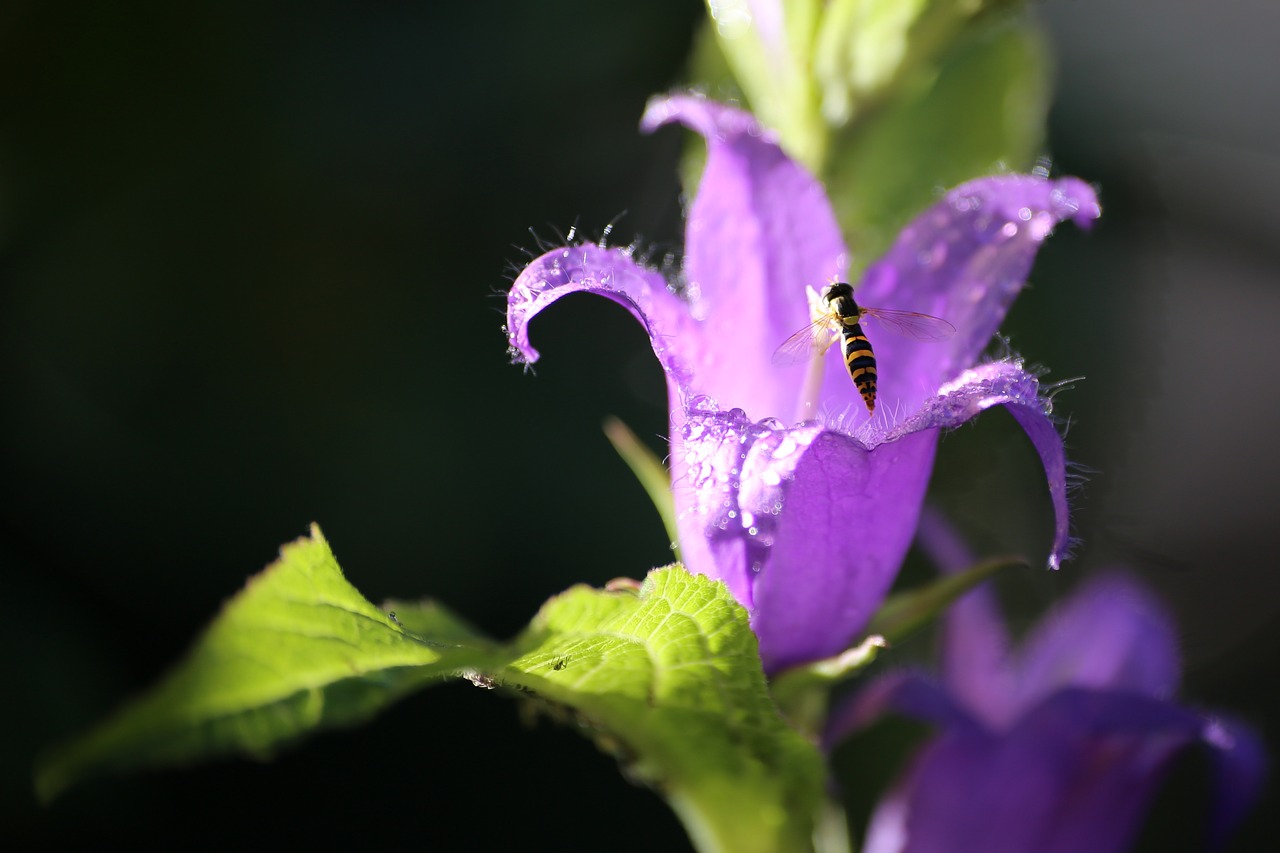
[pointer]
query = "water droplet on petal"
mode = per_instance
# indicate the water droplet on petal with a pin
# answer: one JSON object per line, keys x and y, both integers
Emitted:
{"x": 1042, "y": 226}
{"x": 933, "y": 257}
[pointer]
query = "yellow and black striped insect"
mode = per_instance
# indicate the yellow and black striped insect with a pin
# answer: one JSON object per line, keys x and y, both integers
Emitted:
{"x": 841, "y": 319}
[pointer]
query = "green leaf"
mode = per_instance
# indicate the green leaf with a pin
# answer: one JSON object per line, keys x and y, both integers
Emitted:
{"x": 297, "y": 650}
{"x": 982, "y": 113}
{"x": 669, "y": 680}
{"x": 666, "y": 676}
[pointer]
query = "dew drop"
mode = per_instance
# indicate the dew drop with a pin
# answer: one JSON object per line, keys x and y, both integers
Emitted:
{"x": 1042, "y": 226}
{"x": 933, "y": 257}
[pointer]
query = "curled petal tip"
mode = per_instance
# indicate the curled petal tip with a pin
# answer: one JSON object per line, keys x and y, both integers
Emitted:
{"x": 709, "y": 118}
{"x": 1073, "y": 199}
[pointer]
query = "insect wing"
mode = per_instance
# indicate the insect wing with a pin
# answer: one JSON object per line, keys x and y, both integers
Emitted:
{"x": 920, "y": 327}
{"x": 813, "y": 340}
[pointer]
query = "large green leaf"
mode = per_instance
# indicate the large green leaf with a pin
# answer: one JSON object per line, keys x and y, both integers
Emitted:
{"x": 665, "y": 676}
{"x": 297, "y": 650}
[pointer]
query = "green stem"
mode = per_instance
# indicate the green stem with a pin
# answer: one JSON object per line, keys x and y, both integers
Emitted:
{"x": 649, "y": 470}
{"x": 717, "y": 823}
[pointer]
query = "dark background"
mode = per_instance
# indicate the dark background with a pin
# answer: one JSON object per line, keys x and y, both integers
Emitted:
{"x": 251, "y": 264}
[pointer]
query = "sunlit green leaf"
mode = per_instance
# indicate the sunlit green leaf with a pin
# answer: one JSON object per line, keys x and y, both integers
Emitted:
{"x": 666, "y": 676}
{"x": 669, "y": 680}
{"x": 297, "y": 650}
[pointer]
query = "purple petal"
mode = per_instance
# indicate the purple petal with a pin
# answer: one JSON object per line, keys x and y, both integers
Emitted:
{"x": 806, "y": 526}
{"x": 729, "y": 478}
{"x": 1109, "y": 634}
{"x": 964, "y": 260}
{"x": 1009, "y": 385}
{"x": 1085, "y": 766}
{"x": 759, "y": 230}
{"x": 810, "y": 542}
{"x": 849, "y": 517}
{"x": 611, "y": 273}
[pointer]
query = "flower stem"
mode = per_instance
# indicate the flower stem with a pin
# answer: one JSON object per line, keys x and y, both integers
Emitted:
{"x": 649, "y": 470}
{"x": 811, "y": 389}
{"x": 717, "y": 823}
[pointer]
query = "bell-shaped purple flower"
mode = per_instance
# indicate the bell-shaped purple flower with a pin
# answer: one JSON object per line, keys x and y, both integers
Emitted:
{"x": 785, "y": 487}
{"x": 1058, "y": 745}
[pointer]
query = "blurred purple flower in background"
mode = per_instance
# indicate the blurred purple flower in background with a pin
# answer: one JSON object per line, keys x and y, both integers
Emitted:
{"x": 784, "y": 487}
{"x": 1056, "y": 746}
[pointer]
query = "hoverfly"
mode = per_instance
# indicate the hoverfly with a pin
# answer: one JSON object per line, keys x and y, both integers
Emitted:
{"x": 842, "y": 319}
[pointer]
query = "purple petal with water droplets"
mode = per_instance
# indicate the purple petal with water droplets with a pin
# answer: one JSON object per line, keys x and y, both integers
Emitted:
{"x": 807, "y": 527}
{"x": 759, "y": 230}
{"x": 964, "y": 260}
{"x": 730, "y": 479}
{"x": 611, "y": 273}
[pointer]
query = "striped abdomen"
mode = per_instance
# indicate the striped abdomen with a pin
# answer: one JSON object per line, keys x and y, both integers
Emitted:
{"x": 859, "y": 359}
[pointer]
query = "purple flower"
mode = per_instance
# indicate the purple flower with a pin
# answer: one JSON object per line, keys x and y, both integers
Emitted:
{"x": 785, "y": 488}
{"x": 1056, "y": 746}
